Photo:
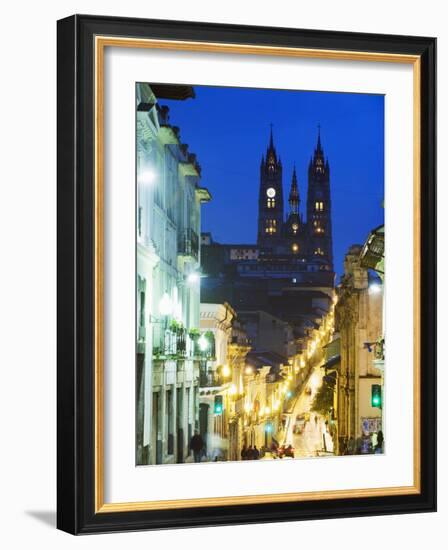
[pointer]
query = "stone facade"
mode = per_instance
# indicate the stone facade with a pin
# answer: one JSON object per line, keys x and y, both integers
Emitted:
{"x": 358, "y": 318}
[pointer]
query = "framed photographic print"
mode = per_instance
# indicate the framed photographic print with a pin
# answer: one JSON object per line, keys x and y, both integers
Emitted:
{"x": 246, "y": 274}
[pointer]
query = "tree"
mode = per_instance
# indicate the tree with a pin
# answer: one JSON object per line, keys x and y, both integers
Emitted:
{"x": 323, "y": 400}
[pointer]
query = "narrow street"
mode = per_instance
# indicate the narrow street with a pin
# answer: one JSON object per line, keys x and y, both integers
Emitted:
{"x": 311, "y": 441}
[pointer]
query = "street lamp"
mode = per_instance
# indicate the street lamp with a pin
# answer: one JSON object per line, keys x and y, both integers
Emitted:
{"x": 226, "y": 371}
{"x": 374, "y": 288}
{"x": 147, "y": 177}
{"x": 203, "y": 343}
{"x": 193, "y": 278}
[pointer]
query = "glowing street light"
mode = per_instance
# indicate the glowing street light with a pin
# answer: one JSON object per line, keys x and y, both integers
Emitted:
{"x": 248, "y": 370}
{"x": 226, "y": 371}
{"x": 147, "y": 177}
{"x": 203, "y": 343}
{"x": 193, "y": 278}
{"x": 374, "y": 288}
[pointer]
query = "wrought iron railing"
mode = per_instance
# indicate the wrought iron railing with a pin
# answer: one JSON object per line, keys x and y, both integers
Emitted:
{"x": 188, "y": 244}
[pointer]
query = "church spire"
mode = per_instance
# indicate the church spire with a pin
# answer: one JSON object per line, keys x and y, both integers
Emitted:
{"x": 271, "y": 162}
{"x": 294, "y": 194}
{"x": 319, "y": 145}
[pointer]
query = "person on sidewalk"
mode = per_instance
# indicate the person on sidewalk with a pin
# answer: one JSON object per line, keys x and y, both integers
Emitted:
{"x": 380, "y": 443}
{"x": 197, "y": 446}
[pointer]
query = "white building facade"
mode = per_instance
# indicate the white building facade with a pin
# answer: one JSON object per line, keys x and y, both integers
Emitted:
{"x": 168, "y": 283}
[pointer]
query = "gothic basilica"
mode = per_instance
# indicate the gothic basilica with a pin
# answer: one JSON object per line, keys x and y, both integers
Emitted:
{"x": 309, "y": 241}
{"x": 288, "y": 272}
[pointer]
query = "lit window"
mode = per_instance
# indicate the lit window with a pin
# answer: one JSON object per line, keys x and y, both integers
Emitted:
{"x": 319, "y": 206}
{"x": 318, "y": 229}
{"x": 271, "y": 226}
{"x": 319, "y": 252}
{"x": 271, "y": 203}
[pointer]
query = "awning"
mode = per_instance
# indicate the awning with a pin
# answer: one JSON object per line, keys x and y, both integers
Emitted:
{"x": 332, "y": 363}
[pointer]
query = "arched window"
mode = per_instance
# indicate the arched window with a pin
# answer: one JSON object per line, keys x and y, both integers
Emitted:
{"x": 271, "y": 203}
{"x": 319, "y": 206}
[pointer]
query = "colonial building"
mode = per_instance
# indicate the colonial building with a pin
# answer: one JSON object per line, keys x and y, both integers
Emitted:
{"x": 358, "y": 316}
{"x": 169, "y": 198}
{"x": 215, "y": 380}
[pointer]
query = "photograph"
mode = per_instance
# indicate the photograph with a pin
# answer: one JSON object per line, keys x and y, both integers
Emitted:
{"x": 259, "y": 276}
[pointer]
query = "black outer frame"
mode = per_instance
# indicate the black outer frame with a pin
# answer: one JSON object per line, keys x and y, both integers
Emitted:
{"x": 75, "y": 295}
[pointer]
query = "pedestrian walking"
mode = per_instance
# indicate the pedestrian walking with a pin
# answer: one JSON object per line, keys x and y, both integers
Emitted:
{"x": 255, "y": 453}
{"x": 380, "y": 443}
{"x": 197, "y": 446}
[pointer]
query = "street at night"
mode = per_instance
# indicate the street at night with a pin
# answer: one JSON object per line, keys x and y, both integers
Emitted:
{"x": 260, "y": 272}
{"x": 310, "y": 441}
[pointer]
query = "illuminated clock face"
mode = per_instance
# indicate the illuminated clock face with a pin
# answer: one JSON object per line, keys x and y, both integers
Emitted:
{"x": 270, "y": 192}
{"x": 295, "y": 227}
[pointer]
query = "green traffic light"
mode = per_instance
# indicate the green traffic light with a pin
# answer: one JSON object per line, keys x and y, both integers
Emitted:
{"x": 376, "y": 400}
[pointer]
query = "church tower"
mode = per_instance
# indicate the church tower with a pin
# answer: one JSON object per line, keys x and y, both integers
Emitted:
{"x": 318, "y": 217}
{"x": 270, "y": 200}
{"x": 294, "y": 228}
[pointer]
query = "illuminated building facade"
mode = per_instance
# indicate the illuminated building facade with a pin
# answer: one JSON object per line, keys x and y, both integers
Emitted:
{"x": 169, "y": 199}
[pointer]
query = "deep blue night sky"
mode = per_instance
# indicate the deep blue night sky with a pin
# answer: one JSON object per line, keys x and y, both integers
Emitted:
{"x": 228, "y": 129}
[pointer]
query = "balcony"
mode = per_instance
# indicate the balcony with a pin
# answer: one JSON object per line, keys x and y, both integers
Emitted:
{"x": 188, "y": 244}
{"x": 372, "y": 254}
{"x": 210, "y": 379}
{"x": 179, "y": 343}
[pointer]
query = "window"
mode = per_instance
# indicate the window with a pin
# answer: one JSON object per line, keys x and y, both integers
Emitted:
{"x": 142, "y": 309}
{"x": 318, "y": 229}
{"x": 169, "y": 410}
{"x": 271, "y": 227}
{"x": 319, "y": 206}
{"x": 271, "y": 203}
{"x": 140, "y": 214}
{"x": 319, "y": 252}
